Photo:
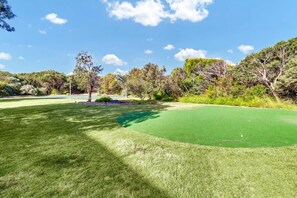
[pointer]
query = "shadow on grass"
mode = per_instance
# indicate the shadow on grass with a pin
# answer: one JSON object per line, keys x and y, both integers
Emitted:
{"x": 128, "y": 119}
{"x": 19, "y": 99}
{"x": 52, "y": 150}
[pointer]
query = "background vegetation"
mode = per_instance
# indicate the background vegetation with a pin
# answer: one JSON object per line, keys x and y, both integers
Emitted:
{"x": 264, "y": 79}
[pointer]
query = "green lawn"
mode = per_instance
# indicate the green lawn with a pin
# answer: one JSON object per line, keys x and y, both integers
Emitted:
{"x": 56, "y": 148}
{"x": 218, "y": 126}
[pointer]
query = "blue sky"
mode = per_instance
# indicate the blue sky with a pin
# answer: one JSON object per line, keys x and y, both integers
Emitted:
{"x": 129, "y": 33}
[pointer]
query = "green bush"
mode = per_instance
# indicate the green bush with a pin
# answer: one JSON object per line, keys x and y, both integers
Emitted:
{"x": 168, "y": 99}
{"x": 158, "y": 96}
{"x": 264, "y": 102}
{"x": 54, "y": 92}
{"x": 103, "y": 99}
{"x": 41, "y": 91}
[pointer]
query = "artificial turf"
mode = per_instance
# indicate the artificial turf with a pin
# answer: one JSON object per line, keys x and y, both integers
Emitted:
{"x": 219, "y": 126}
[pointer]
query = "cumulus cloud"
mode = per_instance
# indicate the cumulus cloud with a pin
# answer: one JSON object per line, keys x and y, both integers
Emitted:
{"x": 2, "y": 66}
{"x": 183, "y": 54}
{"x": 112, "y": 59}
{"x": 21, "y": 58}
{"x": 152, "y": 12}
{"x": 53, "y": 18}
{"x": 120, "y": 72}
{"x": 148, "y": 51}
{"x": 246, "y": 48}
{"x": 169, "y": 47}
{"x": 5, "y": 56}
{"x": 229, "y": 62}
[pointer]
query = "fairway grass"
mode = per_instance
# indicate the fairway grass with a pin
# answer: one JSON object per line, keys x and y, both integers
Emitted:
{"x": 218, "y": 126}
{"x": 72, "y": 150}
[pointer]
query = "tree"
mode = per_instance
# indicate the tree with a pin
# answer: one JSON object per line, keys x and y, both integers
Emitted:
{"x": 109, "y": 84}
{"x": 268, "y": 66}
{"x": 200, "y": 73}
{"x": 87, "y": 72}
{"x": 287, "y": 84}
{"x": 6, "y": 14}
{"x": 152, "y": 77}
{"x": 136, "y": 83}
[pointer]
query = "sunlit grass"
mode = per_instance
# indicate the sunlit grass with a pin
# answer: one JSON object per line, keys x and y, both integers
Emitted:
{"x": 72, "y": 150}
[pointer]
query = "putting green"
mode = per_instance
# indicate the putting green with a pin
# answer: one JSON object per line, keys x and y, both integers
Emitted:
{"x": 218, "y": 126}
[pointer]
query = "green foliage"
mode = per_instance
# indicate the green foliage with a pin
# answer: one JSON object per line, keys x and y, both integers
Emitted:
{"x": 158, "y": 96}
{"x": 42, "y": 91}
{"x": 273, "y": 67}
{"x": 6, "y": 14}
{"x": 109, "y": 84}
{"x": 265, "y": 102}
{"x": 86, "y": 72}
{"x": 103, "y": 99}
{"x": 54, "y": 92}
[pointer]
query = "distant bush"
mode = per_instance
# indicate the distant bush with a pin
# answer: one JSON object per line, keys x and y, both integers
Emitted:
{"x": 103, "y": 99}
{"x": 158, "y": 96}
{"x": 41, "y": 91}
{"x": 168, "y": 99}
{"x": 265, "y": 101}
{"x": 54, "y": 92}
{"x": 28, "y": 90}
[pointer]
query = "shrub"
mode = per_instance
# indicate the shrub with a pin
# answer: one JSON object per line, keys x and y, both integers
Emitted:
{"x": 54, "y": 92}
{"x": 41, "y": 91}
{"x": 28, "y": 90}
{"x": 158, "y": 96}
{"x": 103, "y": 99}
{"x": 168, "y": 99}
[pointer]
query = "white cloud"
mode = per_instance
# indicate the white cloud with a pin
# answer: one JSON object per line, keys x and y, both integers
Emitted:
{"x": 2, "y": 66}
{"x": 183, "y": 54}
{"x": 5, "y": 56}
{"x": 246, "y": 48}
{"x": 229, "y": 62}
{"x": 230, "y": 51}
{"x": 53, "y": 17}
{"x": 112, "y": 59}
{"x": 42, "y": 31}
{"x": 152, "y": 12}
{"x": 192, "y": 10}
{"x": 148, "y": 51}
{"x": 121, "y": 72}
{"x": 169, "y": 47}
{"x": 21, "y": 58}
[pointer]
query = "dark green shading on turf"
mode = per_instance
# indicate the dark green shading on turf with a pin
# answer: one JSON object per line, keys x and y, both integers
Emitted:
{"x": 219, "y": 126}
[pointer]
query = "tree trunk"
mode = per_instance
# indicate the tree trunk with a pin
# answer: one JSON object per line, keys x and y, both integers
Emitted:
{"x": 90, "y": 93}
{"x": 275, "y": 96}
{"x": 90, "y": 96}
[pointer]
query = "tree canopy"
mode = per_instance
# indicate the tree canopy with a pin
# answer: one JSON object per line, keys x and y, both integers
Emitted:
{"x": 6, "y": 14}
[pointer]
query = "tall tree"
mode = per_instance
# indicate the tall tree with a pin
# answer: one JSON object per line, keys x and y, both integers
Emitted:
{"x": 87, "y": 72}
{"x": 109, "y": 84}
{"x": 153, "y": 76}
{"x": 268, "y": 66}
{"x": 6, "y": 14}
{"x": 136, "y": 83}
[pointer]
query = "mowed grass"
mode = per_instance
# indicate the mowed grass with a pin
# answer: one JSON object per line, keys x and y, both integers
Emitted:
{"x": 72, "y": 150}
{"x": 218, "y": 126}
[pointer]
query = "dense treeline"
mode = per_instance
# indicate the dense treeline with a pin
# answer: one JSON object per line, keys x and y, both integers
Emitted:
{"x": 270, "y": 74}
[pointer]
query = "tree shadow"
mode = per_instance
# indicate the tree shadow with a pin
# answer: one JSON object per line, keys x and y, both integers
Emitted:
{"x": 52, "y": 149}
{"x": 29, "y": 98}
{"x": 128, "y": 119}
